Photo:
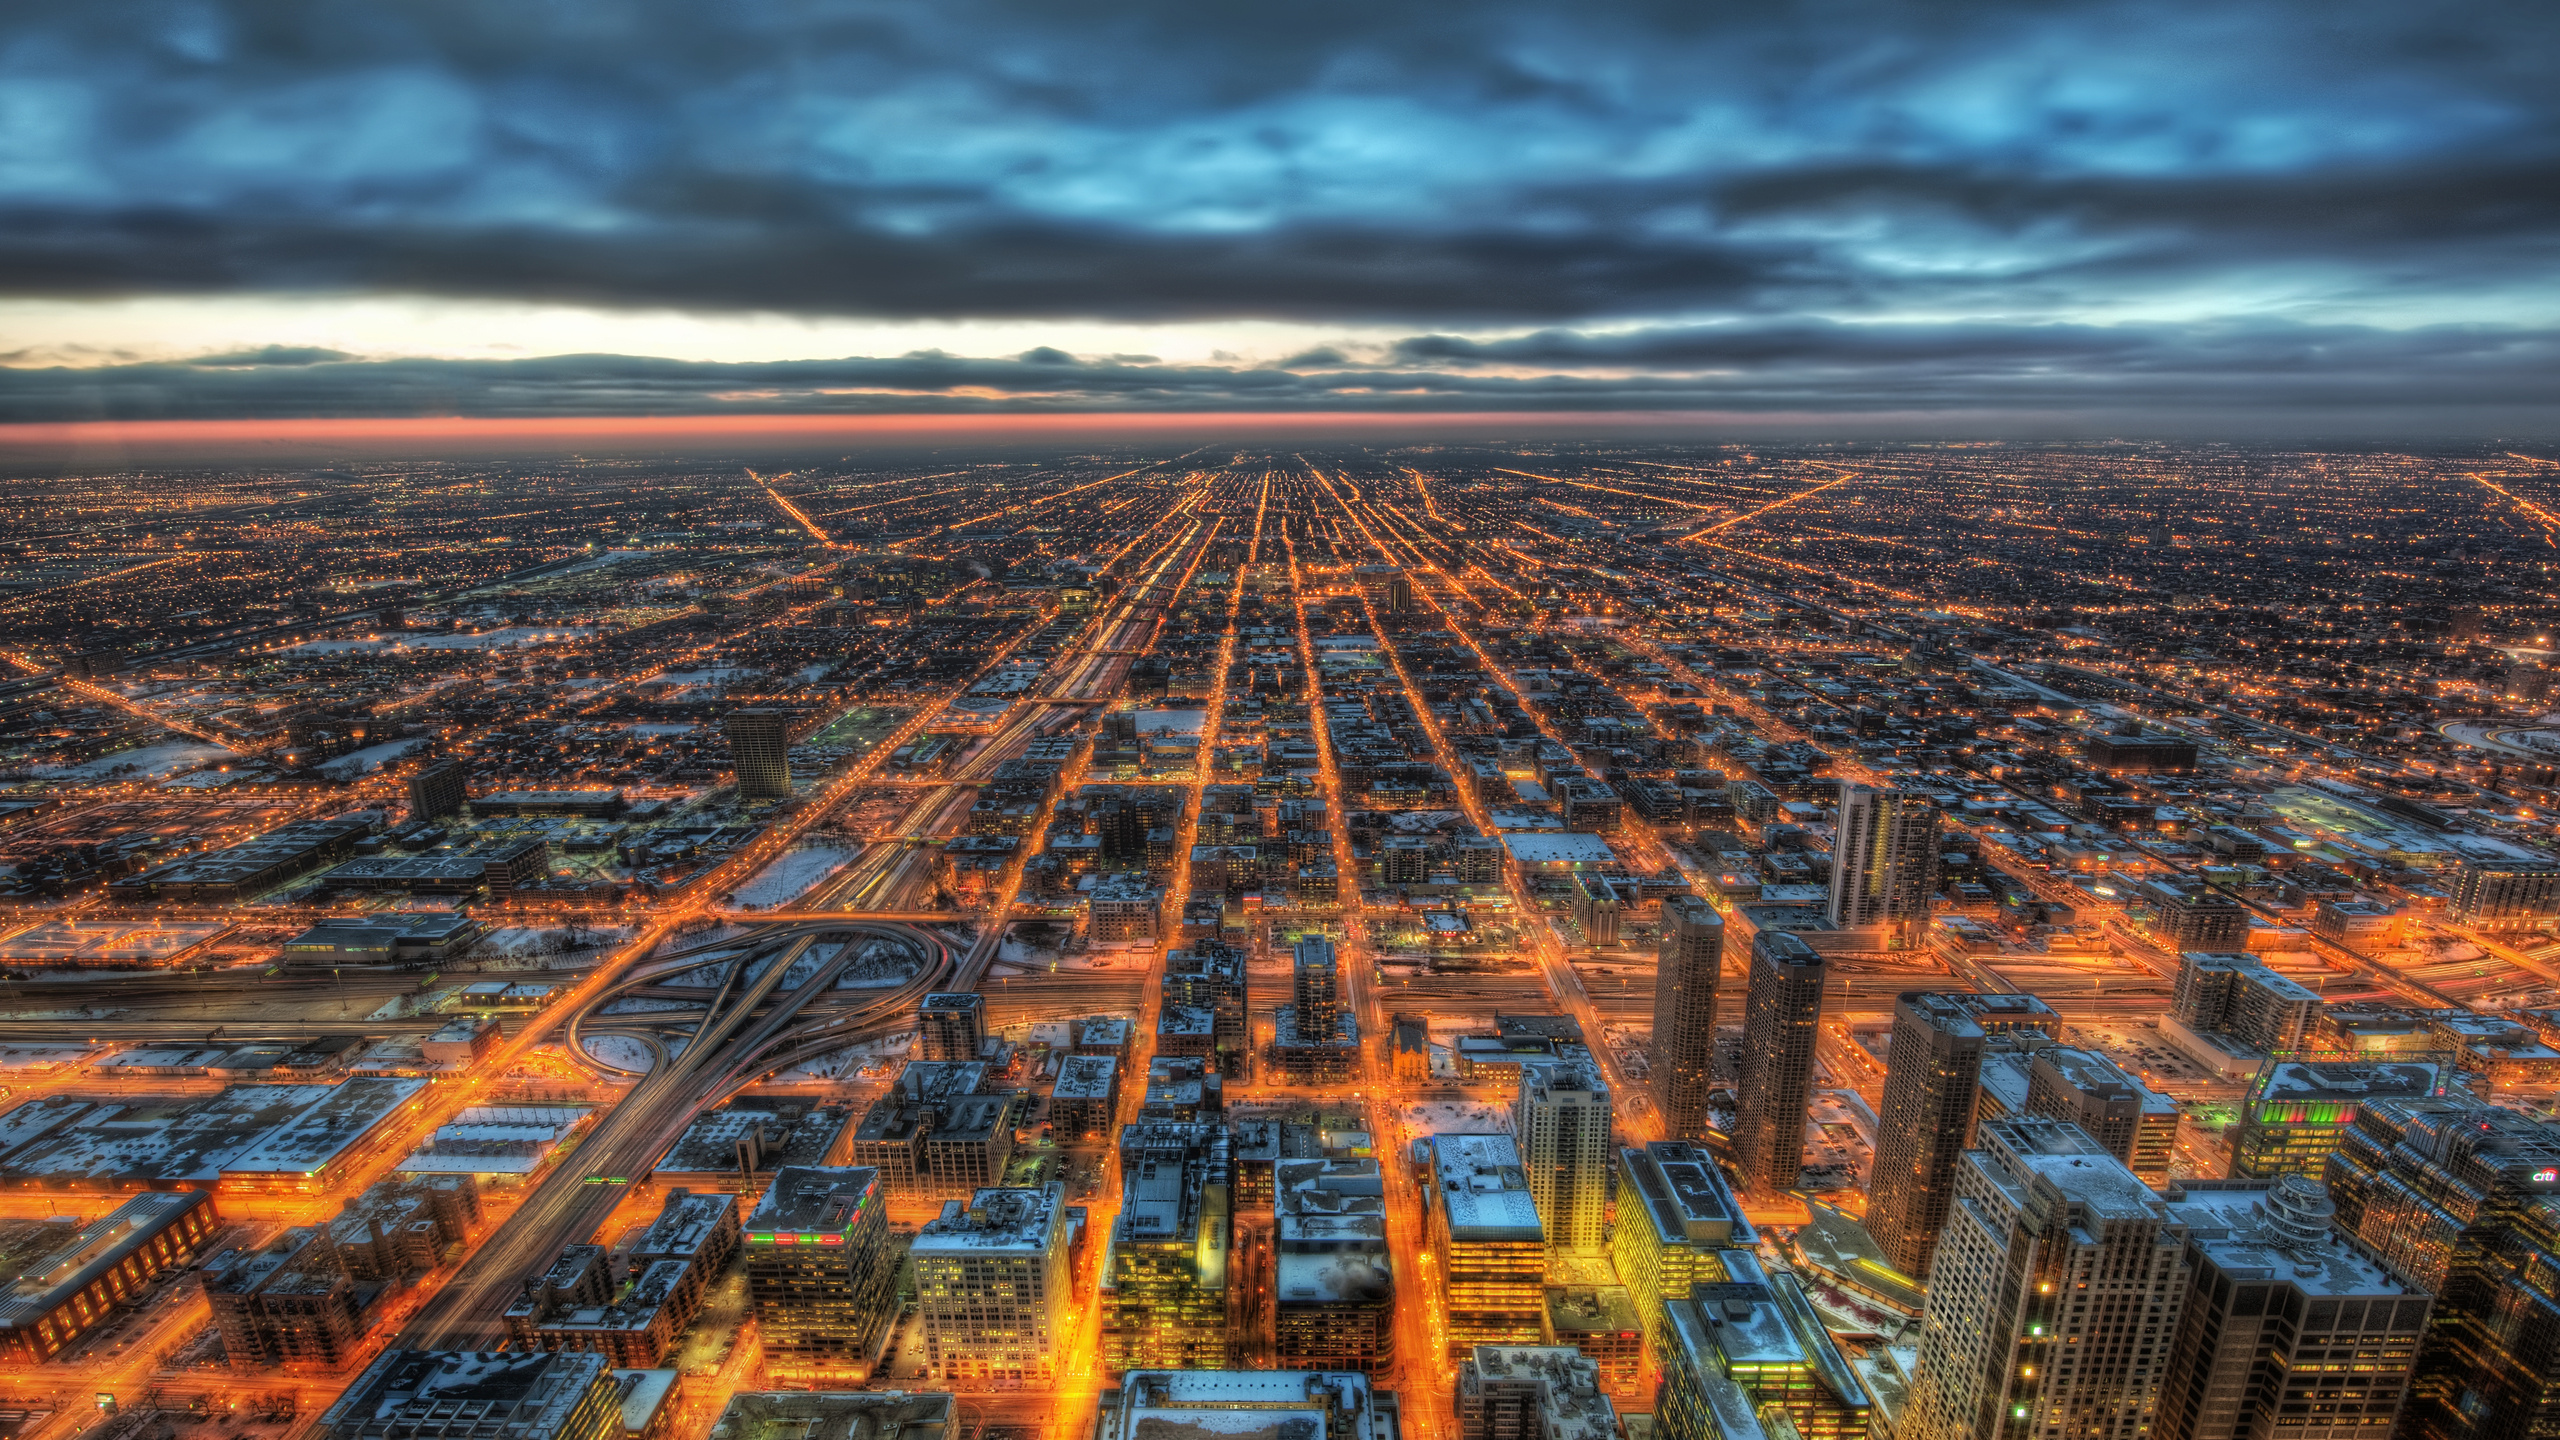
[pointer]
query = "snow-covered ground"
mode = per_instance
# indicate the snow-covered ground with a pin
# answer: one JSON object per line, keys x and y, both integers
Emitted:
{"x": 662, "y": 727}
{"x": 371, "y": 758}
{"x": 167, "y": 758}
{"x": 790, "y": 876}
{"x": 1453, "y": 1117}
{"x": 500, "y": 639}
{"x": 646, "y": 1005}
{"x": 620, "y": 1050}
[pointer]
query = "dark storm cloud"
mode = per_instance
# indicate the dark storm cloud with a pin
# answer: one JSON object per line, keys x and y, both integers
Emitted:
{"x": 1439, "y": 165}
{"x": 2160, "y": 370}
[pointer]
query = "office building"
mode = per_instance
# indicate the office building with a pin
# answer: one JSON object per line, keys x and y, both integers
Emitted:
{"x": 819, "y": 1268}
{"x": 1208, "y": 975}
{"x": 2276, "y": 1298}
{"x": 1781, "y": 1018}
{"x": 512, "y": 1395}
{"x": 1589, "y": 1311}
{"x": 1245, "y": 1405}
{"x": 67, "y": 1278}
{"x": 436, "y": 790}
{"x": 1485, "y": 1238}
{"x": 1689, "y": 968}
{"x": 760, "y": 753}
{"x": 937, "y": 1133}
{"x": 2053, "y": 1296}
{"x": 2237, "y": 996}
{"x": 1560, "y": 1124}
{"x": 2296, "y": 1111}
{"x": 994, "y": 1287}
{"x": 1165, "y": 1276}
{"x": 1755, "y": 1338}
{"x": 2136, "y": 1123}
{"x": 1884, "y": 858}
{"x": 1932, "y": 1073}
{"x": 1333, "y": 1286}
{"x": 836, "y": 1415}
{"x": 2462, "y": 1201}
{"x": 1676, "y": 1217}
{"x": 1532, "y": 1392}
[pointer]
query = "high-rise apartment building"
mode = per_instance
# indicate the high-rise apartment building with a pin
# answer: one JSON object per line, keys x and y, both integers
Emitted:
{"x": 1560, "y": 1122}
{"x": 1164, "y": 1281}
{"x": 437, "y": 790}
{"x": 1932, "y": 1071}
{"x": 760, "y": 753}
{"x": 2181, "y": 915}
{"x": 819, "y": 1269}
{"x": 2053, "y": 1297}
{"x": 994, "y": 1287}
{"x": 1752, "y": 1345}
{"x": 2287, "y": 1331}
{"x": 1315, "y": 1040}
{"x": 1884, "y": 857}
{"x": 2237, "y": 996}
{"x": 2462, "y": 1200}
{"x": 951, "y": 1026}
{"x": 1488, "y": 1247}
{"x": 1676, "y": 1217}
{"x": 1689, "y": 967}
{"x": 1781, "y": 1020}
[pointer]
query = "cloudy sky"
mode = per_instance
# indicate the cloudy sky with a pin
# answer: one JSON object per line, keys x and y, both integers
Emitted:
{"x": 2212, "y": 217}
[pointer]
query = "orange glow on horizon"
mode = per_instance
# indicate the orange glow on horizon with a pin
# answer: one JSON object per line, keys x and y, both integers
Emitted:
{"x": 165, "y": 435}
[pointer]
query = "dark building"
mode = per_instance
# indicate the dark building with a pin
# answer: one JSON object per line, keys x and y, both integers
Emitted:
{"x": 1781, "y": 1021}
{"x": 290, "y": 1302}
{"x": 437, "y": 790}
{"x": 2188, "y": 917}
{"x": 2142, "y": 754}
{"x": 2463, "y": 1200}
{"x": 1690, "y": 966}
{"x": 760, "y": 753}
{"x": 2274, "y": 1299}
{"x": 819, "y": 1268}
{"x": 951, "y": 1026}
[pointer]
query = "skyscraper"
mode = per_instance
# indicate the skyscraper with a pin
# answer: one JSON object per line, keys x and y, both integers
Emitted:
{"x": 1781, "y": 1021}
{"x": 2052, "y": 1298}
{"x": 2463, "y": 1200}
{"x": 760, "y": 753}
{"x": 1690, "y": 960}
{"x": 1884, "y": 859}
{"x": 1560, "y": 1120}
{"x": 1926, "y": 1121}
{"x": 436, "y": 790}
